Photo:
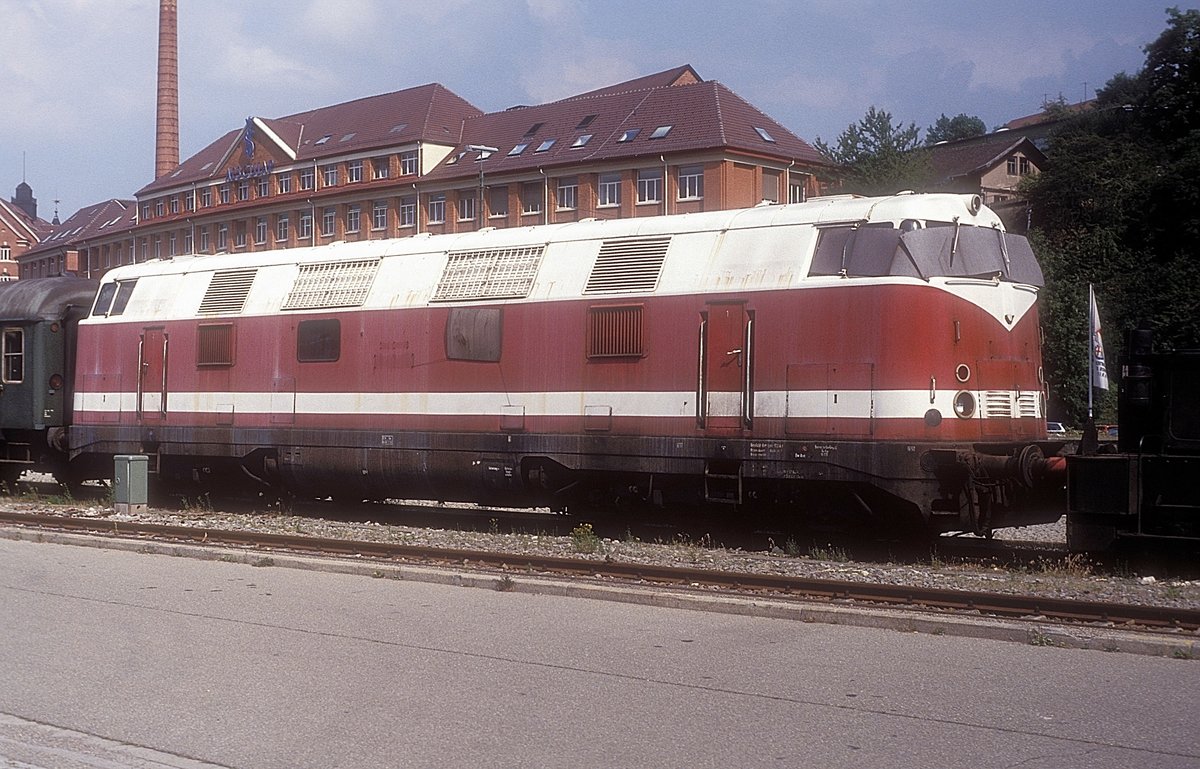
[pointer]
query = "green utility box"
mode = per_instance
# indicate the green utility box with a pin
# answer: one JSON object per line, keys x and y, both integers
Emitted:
{"x": 129, "y": 482}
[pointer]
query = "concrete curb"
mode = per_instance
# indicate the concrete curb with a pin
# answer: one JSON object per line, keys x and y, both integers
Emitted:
{"x": 915, "y": 621}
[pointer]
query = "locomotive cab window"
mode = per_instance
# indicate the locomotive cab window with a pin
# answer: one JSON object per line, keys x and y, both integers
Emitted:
{"x": 14, "y": 355}
{"x": 124, "y": 291}
{"x": 319, "y": 340}
{"x": 104, "y": 299}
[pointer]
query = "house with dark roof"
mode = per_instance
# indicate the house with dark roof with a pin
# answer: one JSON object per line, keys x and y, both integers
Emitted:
{"x": 88, "y": 243}
{"x": 424, "y": 160}
{"x": 991, "y": 166}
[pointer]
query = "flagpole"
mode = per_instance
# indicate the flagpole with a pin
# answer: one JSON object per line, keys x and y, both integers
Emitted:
{"x": 1091, "y": 343}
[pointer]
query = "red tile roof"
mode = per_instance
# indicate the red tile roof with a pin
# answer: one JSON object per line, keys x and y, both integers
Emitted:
{"x": 424, "y": 113}
{"x": 702, "y": 116}
{"x": 99, "y": 220}
{"x": 19, "y": 221}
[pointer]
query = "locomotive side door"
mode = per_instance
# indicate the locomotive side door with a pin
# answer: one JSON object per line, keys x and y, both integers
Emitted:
{"x": 152, "y": 375}
{"x": 726, "y": 396}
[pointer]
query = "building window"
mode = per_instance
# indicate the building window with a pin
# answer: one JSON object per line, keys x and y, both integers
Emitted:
{"x": 531, "y": 198}
{"x": 170, "y": 246}
{"x": 174, "y": 204}
{"x": 158, "y": 208}
{"x": 649, "y": 185}
{"x": 206, "y": 197}
{"x": 796, "y": 190}
{"x": 283, "y": 183}
{"x": 380, "y": 168}
{"x": 691, "y": 182}
{"x": 189, "y": 201}
{"x": 1012, "y": 166}
{"x": 408, "y": 162}
{"x": 408, "y": 211}
{"x": 187, "y": 245}
{"x": 498, "y": 201}
{"x": 318, "y": 340}
{"x": 437, "y": 208}
{"x": 330, "y": 174}
{"x": 566, "y": 197}
{"x": 354, "y": 171}
{"x": 770, "y": 185}
{"x": 379, "y": 215}
{"x": 353, "y": 218}
{"x": 304, "y": 228}
{"x": 614, "y": 332}
{"x": 466, "y": 205}
{"x": 609, "y": 190}
{"x": 223, "y": 237}
{"x": 214, "y": 345}
{"x": 260, "y": 230}
{"x": 282, "y": 226}
{"x": 224, "y": 193}
{"x": 308, "y": 179}
{"x": 264, "y": 187}
{"x": 239, "y": 234}
{"x": 204, "y": 239}
{"x": 1024, "y": 164}
{"x": 145, "y": 212}
{"x": 328, "y": 221}
{"x": 243, "y": 190}
{"x": 14, "y": 355}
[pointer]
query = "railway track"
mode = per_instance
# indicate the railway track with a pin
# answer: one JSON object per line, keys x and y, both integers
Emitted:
{"x": 807, "y": 588}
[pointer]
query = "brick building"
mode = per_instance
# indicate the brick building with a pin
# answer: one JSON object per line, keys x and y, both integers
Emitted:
{"x": 425, "y": 160}
{"x": 20, "y": 230}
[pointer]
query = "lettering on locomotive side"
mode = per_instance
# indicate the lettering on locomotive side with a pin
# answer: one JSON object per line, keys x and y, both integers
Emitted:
{"x": 765, "y": 449}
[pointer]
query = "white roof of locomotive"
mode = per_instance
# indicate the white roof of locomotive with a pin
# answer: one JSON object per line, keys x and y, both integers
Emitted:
{"x": 760, "y": 248}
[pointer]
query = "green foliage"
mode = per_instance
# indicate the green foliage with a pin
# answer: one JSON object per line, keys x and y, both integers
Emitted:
{"x": 950, "y": 129}
{"x": 584, "y": 539}
{"x": 1119, "y": 206}
{"x": 877, "y": 157}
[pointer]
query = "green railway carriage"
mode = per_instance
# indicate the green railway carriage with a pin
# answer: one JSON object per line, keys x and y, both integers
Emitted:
{"x": 38, "y": 321}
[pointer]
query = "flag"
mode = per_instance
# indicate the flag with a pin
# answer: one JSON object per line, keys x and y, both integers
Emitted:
{"x": 1099, "y": 374}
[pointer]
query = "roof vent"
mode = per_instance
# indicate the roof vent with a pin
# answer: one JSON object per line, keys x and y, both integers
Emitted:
{"x": 629, "y": 264}
{"x": 227, "y": 291}
{"x": 332, "y": 284}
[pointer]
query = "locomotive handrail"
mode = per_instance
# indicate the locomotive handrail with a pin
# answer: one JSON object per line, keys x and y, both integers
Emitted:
{"x": 140, "y": 374}
{"x": 747, "y": 381}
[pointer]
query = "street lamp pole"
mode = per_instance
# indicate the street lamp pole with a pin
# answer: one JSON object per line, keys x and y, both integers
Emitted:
{"x": 484, "y": 153}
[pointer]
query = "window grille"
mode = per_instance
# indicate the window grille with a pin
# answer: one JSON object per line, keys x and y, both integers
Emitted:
{"x": 214, "y": 345}
{"x": 226, "y": 292}
{"x": 630, "y": 264}
{"x": 332, "y": 284}
{"x": 496, "y": 273}
{"x": 614, "y": 331}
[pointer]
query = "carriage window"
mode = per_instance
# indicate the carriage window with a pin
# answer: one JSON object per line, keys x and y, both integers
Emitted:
{"x": 214, "y": 345}
{"x": 319, "y": 340}
{"x": 615, "y": 332}
{"x": 104, "y": 299}
{"x": 14, "y": 355}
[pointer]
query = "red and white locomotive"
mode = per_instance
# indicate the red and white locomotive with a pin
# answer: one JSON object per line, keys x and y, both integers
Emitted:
{"x": 868, "y": 356}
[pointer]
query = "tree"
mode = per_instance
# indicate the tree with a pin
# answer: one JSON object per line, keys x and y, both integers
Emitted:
{"x": 951, "y": 129}
{"x": 877, "y": 157}
{"x": 1119, "y": 206}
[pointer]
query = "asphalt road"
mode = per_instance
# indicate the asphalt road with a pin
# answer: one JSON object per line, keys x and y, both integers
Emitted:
{"x": 120, "y": 659}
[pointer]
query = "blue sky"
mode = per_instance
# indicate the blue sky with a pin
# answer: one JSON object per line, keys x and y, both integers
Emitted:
{"x": 79, "y": 75}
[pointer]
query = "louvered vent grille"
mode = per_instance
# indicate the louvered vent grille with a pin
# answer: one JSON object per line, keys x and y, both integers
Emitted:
{"x": 997, "y": 404}
{"x": 227, "y": 291}
{"x": 614, "y": 331}
{"x": 332, "y": 284}
{"x": 632, "y": 264}
{"x": 1027, "y": 405}
{"x": 494, "y": 273}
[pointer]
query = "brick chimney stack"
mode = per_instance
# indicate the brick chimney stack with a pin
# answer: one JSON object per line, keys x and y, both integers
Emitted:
{"x": 166, "y": 142}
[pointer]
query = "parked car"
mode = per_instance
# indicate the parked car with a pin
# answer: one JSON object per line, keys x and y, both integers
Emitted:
{"x": 1055, "y": 428}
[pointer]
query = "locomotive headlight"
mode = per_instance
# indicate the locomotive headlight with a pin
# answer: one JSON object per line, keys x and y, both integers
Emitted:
{"x": 56, "y": 382}
{"x": 964, "y": 404}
